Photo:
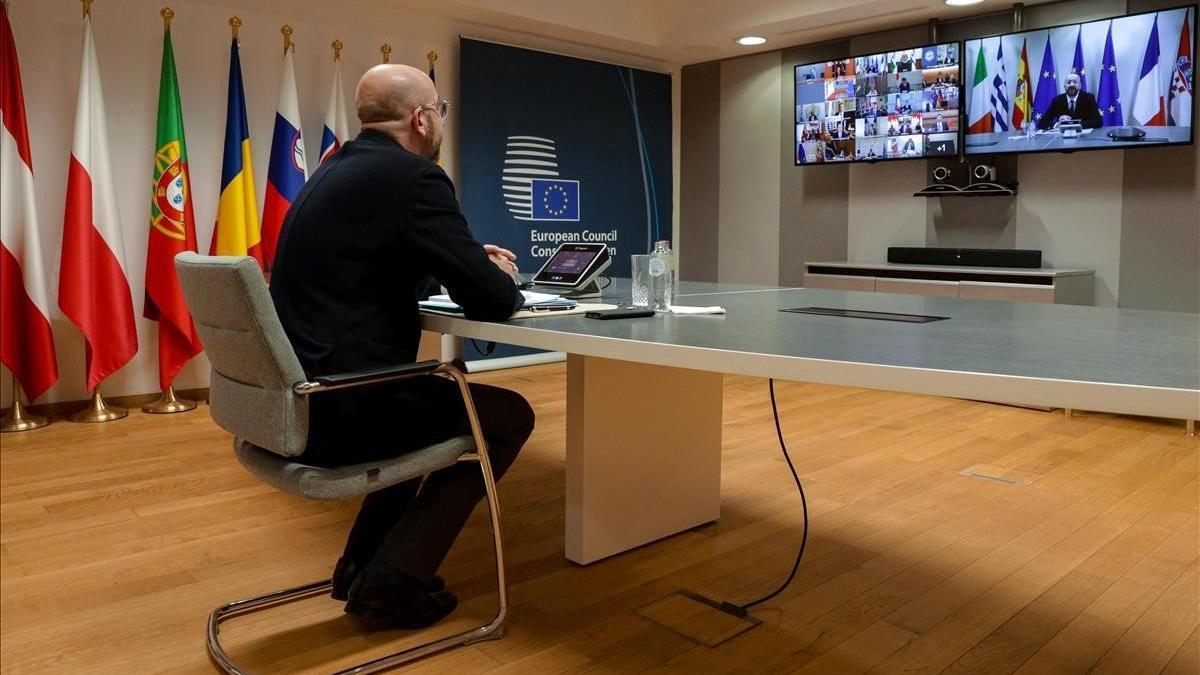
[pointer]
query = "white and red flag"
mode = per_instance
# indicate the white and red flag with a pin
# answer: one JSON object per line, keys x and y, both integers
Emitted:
{"x": 93, "y": 286}
{"x": 26, "y": 343}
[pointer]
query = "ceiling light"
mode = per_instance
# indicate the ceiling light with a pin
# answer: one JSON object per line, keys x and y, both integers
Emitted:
{"x": 750, "y": 40}
{"x": 962, "y": 3}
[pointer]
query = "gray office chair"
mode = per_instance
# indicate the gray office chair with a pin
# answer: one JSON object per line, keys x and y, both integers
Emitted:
{"x": 259, "y": 394}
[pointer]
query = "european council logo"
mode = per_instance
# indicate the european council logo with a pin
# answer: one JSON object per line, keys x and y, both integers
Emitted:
{"x": 555, "y": 199}
{"x": 530, "y": 184}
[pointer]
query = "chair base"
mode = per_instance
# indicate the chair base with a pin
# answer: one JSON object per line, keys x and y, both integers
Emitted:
{"x": 493, "y": 630}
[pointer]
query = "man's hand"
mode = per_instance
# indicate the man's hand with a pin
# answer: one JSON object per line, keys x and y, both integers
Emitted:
{"x": 503, "y": 258}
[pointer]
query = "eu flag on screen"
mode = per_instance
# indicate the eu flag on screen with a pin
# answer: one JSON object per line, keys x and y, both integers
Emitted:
{"x": 1108, "y": 96}
{"x": 1047, "y": 84}
{"x": 1077, "y": 62}
{"x": 555, "y": 199}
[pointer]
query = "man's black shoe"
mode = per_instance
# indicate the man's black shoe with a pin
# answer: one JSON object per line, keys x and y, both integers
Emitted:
{"x": 387, "y": 598}
{"x": 346, "y": 571}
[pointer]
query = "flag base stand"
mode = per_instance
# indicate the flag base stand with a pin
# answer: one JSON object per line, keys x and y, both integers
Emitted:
{"x": 99, "y": 411}
{"x": 168, "y": 403}
{"x": 18, "y": 419}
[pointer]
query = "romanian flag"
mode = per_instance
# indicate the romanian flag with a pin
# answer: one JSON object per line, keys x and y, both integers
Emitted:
{"x": 237, "y": 231}
{"x": 172, "y": 229}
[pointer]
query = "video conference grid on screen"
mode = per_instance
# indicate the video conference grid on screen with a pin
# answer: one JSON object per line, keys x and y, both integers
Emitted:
{"x": 1070, "y": 87}
{"x": 893, "y": 105}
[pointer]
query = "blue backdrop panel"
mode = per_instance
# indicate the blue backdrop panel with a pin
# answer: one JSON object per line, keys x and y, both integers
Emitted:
{"x": 556, "y": 149}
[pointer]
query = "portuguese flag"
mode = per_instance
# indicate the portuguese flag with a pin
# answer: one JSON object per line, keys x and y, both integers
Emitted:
{"x": 172, "y": 229}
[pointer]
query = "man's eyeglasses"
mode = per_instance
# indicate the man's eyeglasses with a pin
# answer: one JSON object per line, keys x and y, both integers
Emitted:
{"x": 442, "y": 107}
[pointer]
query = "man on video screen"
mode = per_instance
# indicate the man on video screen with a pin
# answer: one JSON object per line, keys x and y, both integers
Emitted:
{"x": 1073, "y": 104}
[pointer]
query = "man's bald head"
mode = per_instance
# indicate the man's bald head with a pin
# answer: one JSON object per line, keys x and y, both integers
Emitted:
{"x": 389, "y": 92}
{"x": 391, "y": 99}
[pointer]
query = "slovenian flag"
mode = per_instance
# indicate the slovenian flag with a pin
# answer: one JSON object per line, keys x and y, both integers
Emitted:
{"x": 337, "y": 127}
{"x": 237, "y": 230}
{"x": 287, "y": 169}
{"x": 1149, "y": 106}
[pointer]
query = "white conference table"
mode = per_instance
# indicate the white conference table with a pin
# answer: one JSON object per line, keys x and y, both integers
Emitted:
{"x": 644, "y": 396}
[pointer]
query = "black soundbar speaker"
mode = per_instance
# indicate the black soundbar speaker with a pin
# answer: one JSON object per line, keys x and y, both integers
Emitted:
{"x": 967, "y": 257}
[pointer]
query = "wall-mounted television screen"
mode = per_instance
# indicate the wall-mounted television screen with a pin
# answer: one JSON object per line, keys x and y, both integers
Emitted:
{"x": 901, "y": 104}
{"x": 1118, "y": 82}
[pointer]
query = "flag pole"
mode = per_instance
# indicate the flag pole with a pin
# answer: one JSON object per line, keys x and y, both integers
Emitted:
{"x": 287, "y": 38}
{"x": 431, "y": 57}
{"x": 386, "y": 51}
{"x": 337, "y": 50}
{"x": 169, "y": 403}
{"x": 18, "y": 419}
{"x": 98, "y": 411}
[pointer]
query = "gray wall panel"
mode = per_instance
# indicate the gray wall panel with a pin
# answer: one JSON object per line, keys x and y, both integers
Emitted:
{"x": 699, "y": 174}
{"x": 749, "y": 169}
{"x": 813, "y": 200}
{"x": 1160, "y": 230}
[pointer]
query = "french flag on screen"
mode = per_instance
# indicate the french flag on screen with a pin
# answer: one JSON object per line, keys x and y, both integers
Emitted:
{"x": 1149, "y": 106}
{"x": 287, "y": 169}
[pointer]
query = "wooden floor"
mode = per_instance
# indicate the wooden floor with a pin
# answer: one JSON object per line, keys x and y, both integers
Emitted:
{"x": 947, "y": 536}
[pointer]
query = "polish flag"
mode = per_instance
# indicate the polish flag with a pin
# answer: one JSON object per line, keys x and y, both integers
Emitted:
{"x": 337, "y": 122}
{"x": 287, "y": 170}
{"x": 1150, "y": 106}
{"x": 93, "y": 286}
{"x": 26, "y": 343}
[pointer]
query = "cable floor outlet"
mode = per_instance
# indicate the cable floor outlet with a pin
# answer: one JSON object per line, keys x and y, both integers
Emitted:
{"x": 697, "y": 618}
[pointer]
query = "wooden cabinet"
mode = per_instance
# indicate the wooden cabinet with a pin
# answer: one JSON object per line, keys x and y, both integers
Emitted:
{"x": 1048, "y": 285}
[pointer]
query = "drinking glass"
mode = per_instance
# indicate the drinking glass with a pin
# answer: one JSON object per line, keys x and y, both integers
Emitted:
{"x": 639, "y": 269}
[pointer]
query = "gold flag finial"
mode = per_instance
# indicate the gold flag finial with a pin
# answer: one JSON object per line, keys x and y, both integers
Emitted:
{"x": 432, "y": 58}
{"x": 235, "y": 23}
{"x": 87, "y": 8}
{"x": 167, "y": 15}
{"x": 386, "y": 50}
{"x": 287, "y": 37}
{"x": 337, "y": 49}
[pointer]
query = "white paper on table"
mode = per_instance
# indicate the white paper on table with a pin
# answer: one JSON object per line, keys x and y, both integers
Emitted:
{"x": 531, "y": 298}
{"x": 684, "y": 309}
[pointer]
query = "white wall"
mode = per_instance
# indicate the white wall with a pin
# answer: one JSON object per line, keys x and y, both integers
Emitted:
{"x": 749, "y": 171}
{"x": 129, "y": 38}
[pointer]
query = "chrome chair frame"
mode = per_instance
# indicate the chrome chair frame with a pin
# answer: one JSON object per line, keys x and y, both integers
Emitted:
{"x": 493, "y": 630}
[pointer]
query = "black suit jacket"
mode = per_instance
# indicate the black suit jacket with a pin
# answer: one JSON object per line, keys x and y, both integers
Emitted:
{"x": 355, "y": 253}
{"x": 1086, "y": 111}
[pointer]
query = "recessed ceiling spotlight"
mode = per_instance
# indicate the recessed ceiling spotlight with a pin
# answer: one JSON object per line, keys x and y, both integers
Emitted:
{"x": 962, "y": 3}
{"x": 750, "y": 40}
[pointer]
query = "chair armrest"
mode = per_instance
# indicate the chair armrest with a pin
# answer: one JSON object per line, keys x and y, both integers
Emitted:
{"x": 366, "y": 377}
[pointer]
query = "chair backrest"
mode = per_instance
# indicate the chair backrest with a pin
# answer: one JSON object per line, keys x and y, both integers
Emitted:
{"x": 253, "y": 364}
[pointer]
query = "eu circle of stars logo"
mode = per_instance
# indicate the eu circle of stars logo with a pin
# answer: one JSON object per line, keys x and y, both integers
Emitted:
{"x": 555, "y": 200}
